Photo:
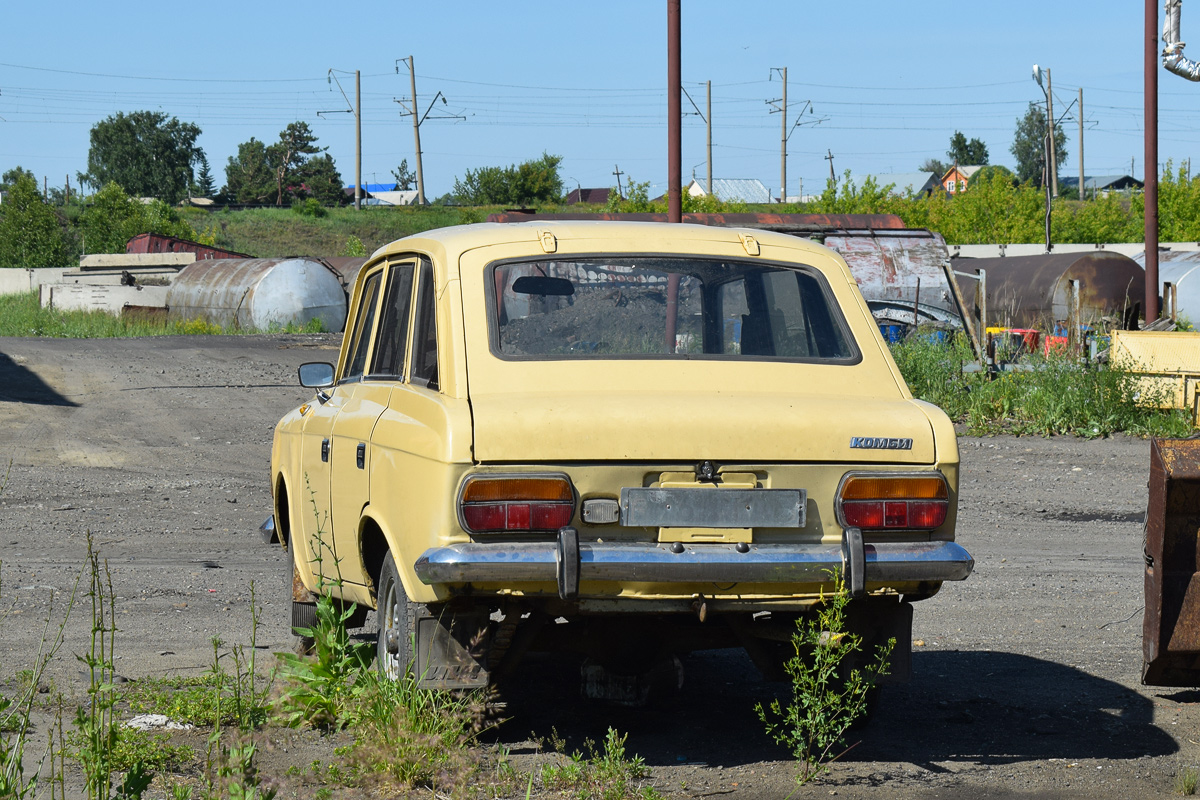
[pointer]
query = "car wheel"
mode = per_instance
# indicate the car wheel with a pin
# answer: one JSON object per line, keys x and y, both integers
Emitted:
{"x": 397, "y": 624}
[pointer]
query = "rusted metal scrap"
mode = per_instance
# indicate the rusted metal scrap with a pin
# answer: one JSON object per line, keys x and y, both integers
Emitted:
{"x": 1171, "y": 626}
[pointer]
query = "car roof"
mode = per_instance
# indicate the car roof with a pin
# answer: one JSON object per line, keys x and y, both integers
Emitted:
{"x": 624, "y": 236}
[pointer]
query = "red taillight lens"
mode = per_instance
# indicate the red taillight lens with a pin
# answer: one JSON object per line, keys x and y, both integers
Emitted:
{"x": 894, "y": 502}
{"x": 500, "y": 504}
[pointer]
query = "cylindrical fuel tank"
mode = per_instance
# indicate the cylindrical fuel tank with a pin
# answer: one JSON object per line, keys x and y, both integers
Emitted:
{"x": 1180, "y": 268}
{"x": 258, "y": 293}
{"x": 1031, "y": 291}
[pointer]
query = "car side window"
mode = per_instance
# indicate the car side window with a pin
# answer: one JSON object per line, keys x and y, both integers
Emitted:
{"x": 362, "y": 328}
{"x": 424, "y": 369}
{"x": 387, "y": 360}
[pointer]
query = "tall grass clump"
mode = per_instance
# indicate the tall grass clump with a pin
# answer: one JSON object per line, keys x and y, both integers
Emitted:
{"x": 1056, "y": 394}
{"x": 22, "y": 315}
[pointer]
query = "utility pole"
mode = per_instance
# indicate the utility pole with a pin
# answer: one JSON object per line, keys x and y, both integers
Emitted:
{"x": 783, "y": 142}
{"x": 708, "y": 125}
{"x": 356, "y": 110}
{"x": 618, "y": 173}
{"x": 67, "y": 199}
{"x": 1082, "y": 190}
{"x": 418, "y": 118}
{"x": 829, "y": 158}
{"x": 1050, "y": 121}
{"x": 357, "y": 142}
{"x": 412, "y": 80}
{"x": 674, "y": 145}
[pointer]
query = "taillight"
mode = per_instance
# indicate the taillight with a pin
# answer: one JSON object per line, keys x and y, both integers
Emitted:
{"x": 893, "y": 502}
{"x": 516, "y": 503}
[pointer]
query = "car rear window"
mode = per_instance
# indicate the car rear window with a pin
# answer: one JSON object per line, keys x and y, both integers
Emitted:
{"x": 665, "y": 307}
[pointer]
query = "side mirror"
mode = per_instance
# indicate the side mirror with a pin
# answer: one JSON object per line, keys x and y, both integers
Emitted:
{"x": 316, "y": 375}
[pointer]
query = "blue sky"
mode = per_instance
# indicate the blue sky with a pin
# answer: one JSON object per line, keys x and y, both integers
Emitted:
{"x": 587, "y": 81}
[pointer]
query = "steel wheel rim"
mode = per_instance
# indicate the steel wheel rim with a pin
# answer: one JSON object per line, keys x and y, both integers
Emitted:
{"x": 391, "y": 661}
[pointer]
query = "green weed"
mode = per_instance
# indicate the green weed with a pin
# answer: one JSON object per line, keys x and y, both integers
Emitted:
{"x": 1058, "y": 395}
{"x": 827, "y": 695}
{"x": 97, "y": 732}
{"x": 607, "y": 774}
{"x": 21, "y": 315}
{"x": 1186, "y": 781}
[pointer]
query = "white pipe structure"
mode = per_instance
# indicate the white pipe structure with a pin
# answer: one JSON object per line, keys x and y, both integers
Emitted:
{"x": 1172, "y": 56}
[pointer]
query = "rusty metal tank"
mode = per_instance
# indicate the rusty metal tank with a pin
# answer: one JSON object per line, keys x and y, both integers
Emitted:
{"x": 1031, "y": 291}
{"x": 258, "y": 293}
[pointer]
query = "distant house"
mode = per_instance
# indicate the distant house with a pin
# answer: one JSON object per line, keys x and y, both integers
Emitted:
{"x": 594, "y": 196}
{"x": 1100, "y": 184}
{"x": 919, "y": 183}
{"x": 957, "y": 177}
{"x": 382, "y": 194}
{"x": 743, "y": 190}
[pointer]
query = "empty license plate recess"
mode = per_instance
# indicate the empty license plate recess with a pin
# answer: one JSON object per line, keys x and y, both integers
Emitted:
{"x": 713, "y": 508}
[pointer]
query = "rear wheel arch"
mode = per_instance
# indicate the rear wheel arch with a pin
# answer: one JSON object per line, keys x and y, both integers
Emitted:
{"x": 373, "y": 547}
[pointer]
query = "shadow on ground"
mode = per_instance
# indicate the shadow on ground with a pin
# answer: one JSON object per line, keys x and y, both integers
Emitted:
{"x": 974, "y": 707}
{"x": 21, "y": 385}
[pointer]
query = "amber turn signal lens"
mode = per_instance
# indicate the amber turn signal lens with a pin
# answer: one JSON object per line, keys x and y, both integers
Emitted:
{"x": 894, "y": 502}
{"x": 514, "y": 503}
{"x": 924, "y": 487}
{"x": 489, "y": 490}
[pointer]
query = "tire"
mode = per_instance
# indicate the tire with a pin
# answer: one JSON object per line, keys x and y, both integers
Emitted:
{"x": 397, "y": 616}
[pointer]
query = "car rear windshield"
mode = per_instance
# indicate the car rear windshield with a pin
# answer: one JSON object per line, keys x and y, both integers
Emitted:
{"x": 665, "y": 307}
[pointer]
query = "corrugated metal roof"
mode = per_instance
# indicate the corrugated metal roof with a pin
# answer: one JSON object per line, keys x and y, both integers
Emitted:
{"x": 902, "y": 181}
{"x": 1100, "y": 182}
{"x": 746, "y": 190}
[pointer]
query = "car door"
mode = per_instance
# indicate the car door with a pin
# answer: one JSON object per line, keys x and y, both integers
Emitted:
{"x": 352, "y": 431}
{"x": 318, "y": 449}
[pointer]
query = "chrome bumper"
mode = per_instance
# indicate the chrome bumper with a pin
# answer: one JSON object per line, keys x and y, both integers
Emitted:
{"x": 482, "y": 562}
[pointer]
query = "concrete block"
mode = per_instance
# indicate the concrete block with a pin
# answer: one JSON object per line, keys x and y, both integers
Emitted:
{"x": 85, "y": 297}
{"x": 136, "y": 260}
{"x": 15, "y": 281}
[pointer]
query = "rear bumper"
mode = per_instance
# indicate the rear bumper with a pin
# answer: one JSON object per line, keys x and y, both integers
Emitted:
{"x": 482, "y": 562}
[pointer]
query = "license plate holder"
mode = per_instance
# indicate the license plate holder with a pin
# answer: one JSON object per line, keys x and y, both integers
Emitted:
{"x": 713, "y": 508}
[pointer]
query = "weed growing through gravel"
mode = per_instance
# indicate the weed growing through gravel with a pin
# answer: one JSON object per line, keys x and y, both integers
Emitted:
{"x": 1186, "y": 780}
{"x": 828, "y": 696}
{"x": 1059, "y": 395}
{"x": 607, "y": 774}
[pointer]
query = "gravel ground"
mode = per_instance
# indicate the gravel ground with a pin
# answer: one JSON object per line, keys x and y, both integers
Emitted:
{"x": 1026, "y": 676}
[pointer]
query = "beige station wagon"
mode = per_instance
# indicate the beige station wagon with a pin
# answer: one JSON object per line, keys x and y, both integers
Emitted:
{"x": 621, "y": 440}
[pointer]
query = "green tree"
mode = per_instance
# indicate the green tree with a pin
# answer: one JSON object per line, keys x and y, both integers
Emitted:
{"x": 31, "y": 233}
{"x": 203, "y": 186}
{"x": 966, "y": 153}
{"x": 113, "y": 218}
{"x": 529, "y": 182}
{"x": 10, "y": 178}
{"x": 1029, "y": 144}
{"x": 320, "y": 179}
{"x": 148, "y": 152}
{"x": 934, "y": 165}
{"x": 249, "y": 178}
{"x": 405, "y": 180}
{"x": 293, "y": 168}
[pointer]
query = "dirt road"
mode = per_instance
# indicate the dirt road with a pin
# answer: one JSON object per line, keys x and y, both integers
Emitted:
{"x": 1026, "y": 675}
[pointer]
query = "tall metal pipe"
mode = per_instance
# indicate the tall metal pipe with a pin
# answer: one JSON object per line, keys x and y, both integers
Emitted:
{"x": 1150, "y": 95}
{"x": 674, "y": 119}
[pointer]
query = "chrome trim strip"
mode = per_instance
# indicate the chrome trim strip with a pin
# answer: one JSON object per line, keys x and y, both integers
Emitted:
{"x": 505, "y": 562}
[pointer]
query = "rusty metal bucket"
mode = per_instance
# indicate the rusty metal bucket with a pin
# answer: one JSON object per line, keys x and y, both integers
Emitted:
{"x": 1171, "y": 628}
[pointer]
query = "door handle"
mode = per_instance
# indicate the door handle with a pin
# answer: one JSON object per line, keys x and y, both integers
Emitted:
{"x": 324, "y": 449}
{"x": 362, "y": 455}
